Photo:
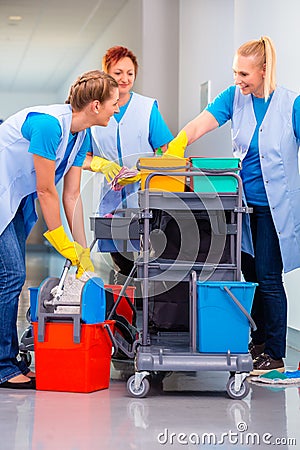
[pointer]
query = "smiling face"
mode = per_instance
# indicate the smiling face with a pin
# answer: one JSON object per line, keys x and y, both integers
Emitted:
{"x": 248, "y": 76}
{"x": 108, "y": 108}
{"x": 124, "y": 73}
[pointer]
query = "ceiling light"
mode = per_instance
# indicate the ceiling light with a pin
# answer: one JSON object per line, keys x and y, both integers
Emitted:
{"x": 15, "y": 18}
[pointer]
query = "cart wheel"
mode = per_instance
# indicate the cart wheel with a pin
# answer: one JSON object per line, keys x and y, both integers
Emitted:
{"x": 237, "y": 395}
{"x": 143, "y": 389}
{"x": 26, "y": 357}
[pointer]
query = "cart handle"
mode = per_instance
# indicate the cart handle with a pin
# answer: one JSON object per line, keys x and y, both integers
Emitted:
{"x": 244, "y": 311}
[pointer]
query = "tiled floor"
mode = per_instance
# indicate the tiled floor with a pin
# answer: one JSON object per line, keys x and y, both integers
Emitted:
{"x": 191, "y": 410}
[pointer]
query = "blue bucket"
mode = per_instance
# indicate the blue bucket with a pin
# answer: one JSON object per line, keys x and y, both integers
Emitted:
{"x": 223, "y": 319}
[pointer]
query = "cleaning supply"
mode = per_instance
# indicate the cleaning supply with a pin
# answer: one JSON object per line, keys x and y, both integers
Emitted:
{"x": 124, "y": 177}
{"x": 171, "y": 164}
{"x": 72, "y": 334}
{"x": 82, "y": 367}
{"x": 276, "y": 377}
{"x": 159, "y": 152}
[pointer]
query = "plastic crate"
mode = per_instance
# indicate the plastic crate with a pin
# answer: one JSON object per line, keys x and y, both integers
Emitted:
{"x": 215, "y": 183}
{"x": 222, "y": 325}
{"x": 83, "y": 367}
{"x": 163, "y": 164}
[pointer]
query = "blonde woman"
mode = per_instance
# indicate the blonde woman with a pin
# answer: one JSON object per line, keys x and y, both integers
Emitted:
{"x": 265, "y": 122}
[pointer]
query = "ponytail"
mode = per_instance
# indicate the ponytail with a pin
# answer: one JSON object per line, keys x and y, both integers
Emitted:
{"x": 263, "y": 51}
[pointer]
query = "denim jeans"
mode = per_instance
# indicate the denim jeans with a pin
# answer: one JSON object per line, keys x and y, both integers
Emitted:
{"x": 269, "y": 310}
{"x": 12, "y": 278}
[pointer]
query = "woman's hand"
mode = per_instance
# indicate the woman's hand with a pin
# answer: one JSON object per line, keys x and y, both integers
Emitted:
{"x": 109, "y": 168}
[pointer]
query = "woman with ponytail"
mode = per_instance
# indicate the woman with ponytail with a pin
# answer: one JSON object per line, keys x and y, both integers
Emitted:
{"x": 265, "y": 124}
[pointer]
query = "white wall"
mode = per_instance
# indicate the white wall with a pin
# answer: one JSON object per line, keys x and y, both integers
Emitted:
{"x": 125, "y": 29}
{"x": 160, "y": 56}
{"x": 206, "y": 51}
{"x": 210, "y": 31}
{"x": 150, "y": 30}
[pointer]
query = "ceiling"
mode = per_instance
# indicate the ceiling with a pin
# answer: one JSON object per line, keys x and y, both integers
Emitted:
{"x": 40, "y": 50}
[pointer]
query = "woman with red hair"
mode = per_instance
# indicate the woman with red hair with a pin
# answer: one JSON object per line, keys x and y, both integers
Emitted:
{"x": 135, "y": 132}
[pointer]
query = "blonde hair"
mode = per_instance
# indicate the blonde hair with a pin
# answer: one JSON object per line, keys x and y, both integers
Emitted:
{"x": 92, "y": 85}
{"x": 263, "y": 51}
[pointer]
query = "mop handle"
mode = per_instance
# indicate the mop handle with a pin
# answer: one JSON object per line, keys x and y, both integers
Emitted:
{"x": 67, "y": 266}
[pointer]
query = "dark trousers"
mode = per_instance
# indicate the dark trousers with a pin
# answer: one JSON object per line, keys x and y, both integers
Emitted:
{"x": 269, "y": 310}
{"x": 123, "y": 261}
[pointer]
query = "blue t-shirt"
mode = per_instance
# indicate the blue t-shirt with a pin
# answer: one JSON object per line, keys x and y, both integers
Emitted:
{"x": 159, "y": 133}
{"x": 44, "y": 133}
{"x": 222, "y": 109}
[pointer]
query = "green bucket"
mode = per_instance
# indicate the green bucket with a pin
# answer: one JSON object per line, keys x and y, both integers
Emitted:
{"x": 215, "y": 183}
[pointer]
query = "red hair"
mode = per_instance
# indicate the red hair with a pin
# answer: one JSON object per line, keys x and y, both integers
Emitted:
{"x": 114, "y": 54}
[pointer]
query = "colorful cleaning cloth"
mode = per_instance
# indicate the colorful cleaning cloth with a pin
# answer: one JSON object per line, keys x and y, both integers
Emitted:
{"x": 125, "y": 172}
{"x": 295, "y": 374}
{"x": 275, "y": 377}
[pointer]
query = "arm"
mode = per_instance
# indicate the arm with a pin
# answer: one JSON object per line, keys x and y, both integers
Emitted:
{"x": 218, "y": 112}
{"x": 196, "y": 128}
{"x": 46, "y": 191}
{"x": 44, "y": 133}
{"x": 88, "y": 161}
{"x": 97, "y": 164}
{"x": 201, "y": 125}
{"x": 50, "y": 205}
{"x": 73, "y": 204}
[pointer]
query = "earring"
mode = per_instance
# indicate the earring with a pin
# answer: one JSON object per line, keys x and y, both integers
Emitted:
{"x": 97, "y": 112}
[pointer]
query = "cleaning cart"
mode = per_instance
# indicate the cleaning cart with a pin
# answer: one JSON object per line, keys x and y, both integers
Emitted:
{"x": 219, "y": 302}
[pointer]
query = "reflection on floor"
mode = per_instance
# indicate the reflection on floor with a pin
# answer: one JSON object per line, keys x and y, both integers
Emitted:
{"x": 191, "y": 408}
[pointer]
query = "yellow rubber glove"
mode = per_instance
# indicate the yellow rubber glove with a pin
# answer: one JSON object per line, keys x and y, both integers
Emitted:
{"x": 178, "y": 145}
{"x": 85, "y": 263}
{"x": 125, "y": 181}
{"x": 60, "y": 241}
{"x": 109, "y": 168}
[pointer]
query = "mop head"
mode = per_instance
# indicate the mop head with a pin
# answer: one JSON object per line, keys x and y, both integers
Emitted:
{"x": 72, "y": 293}
{"x": 275, "y": 377}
